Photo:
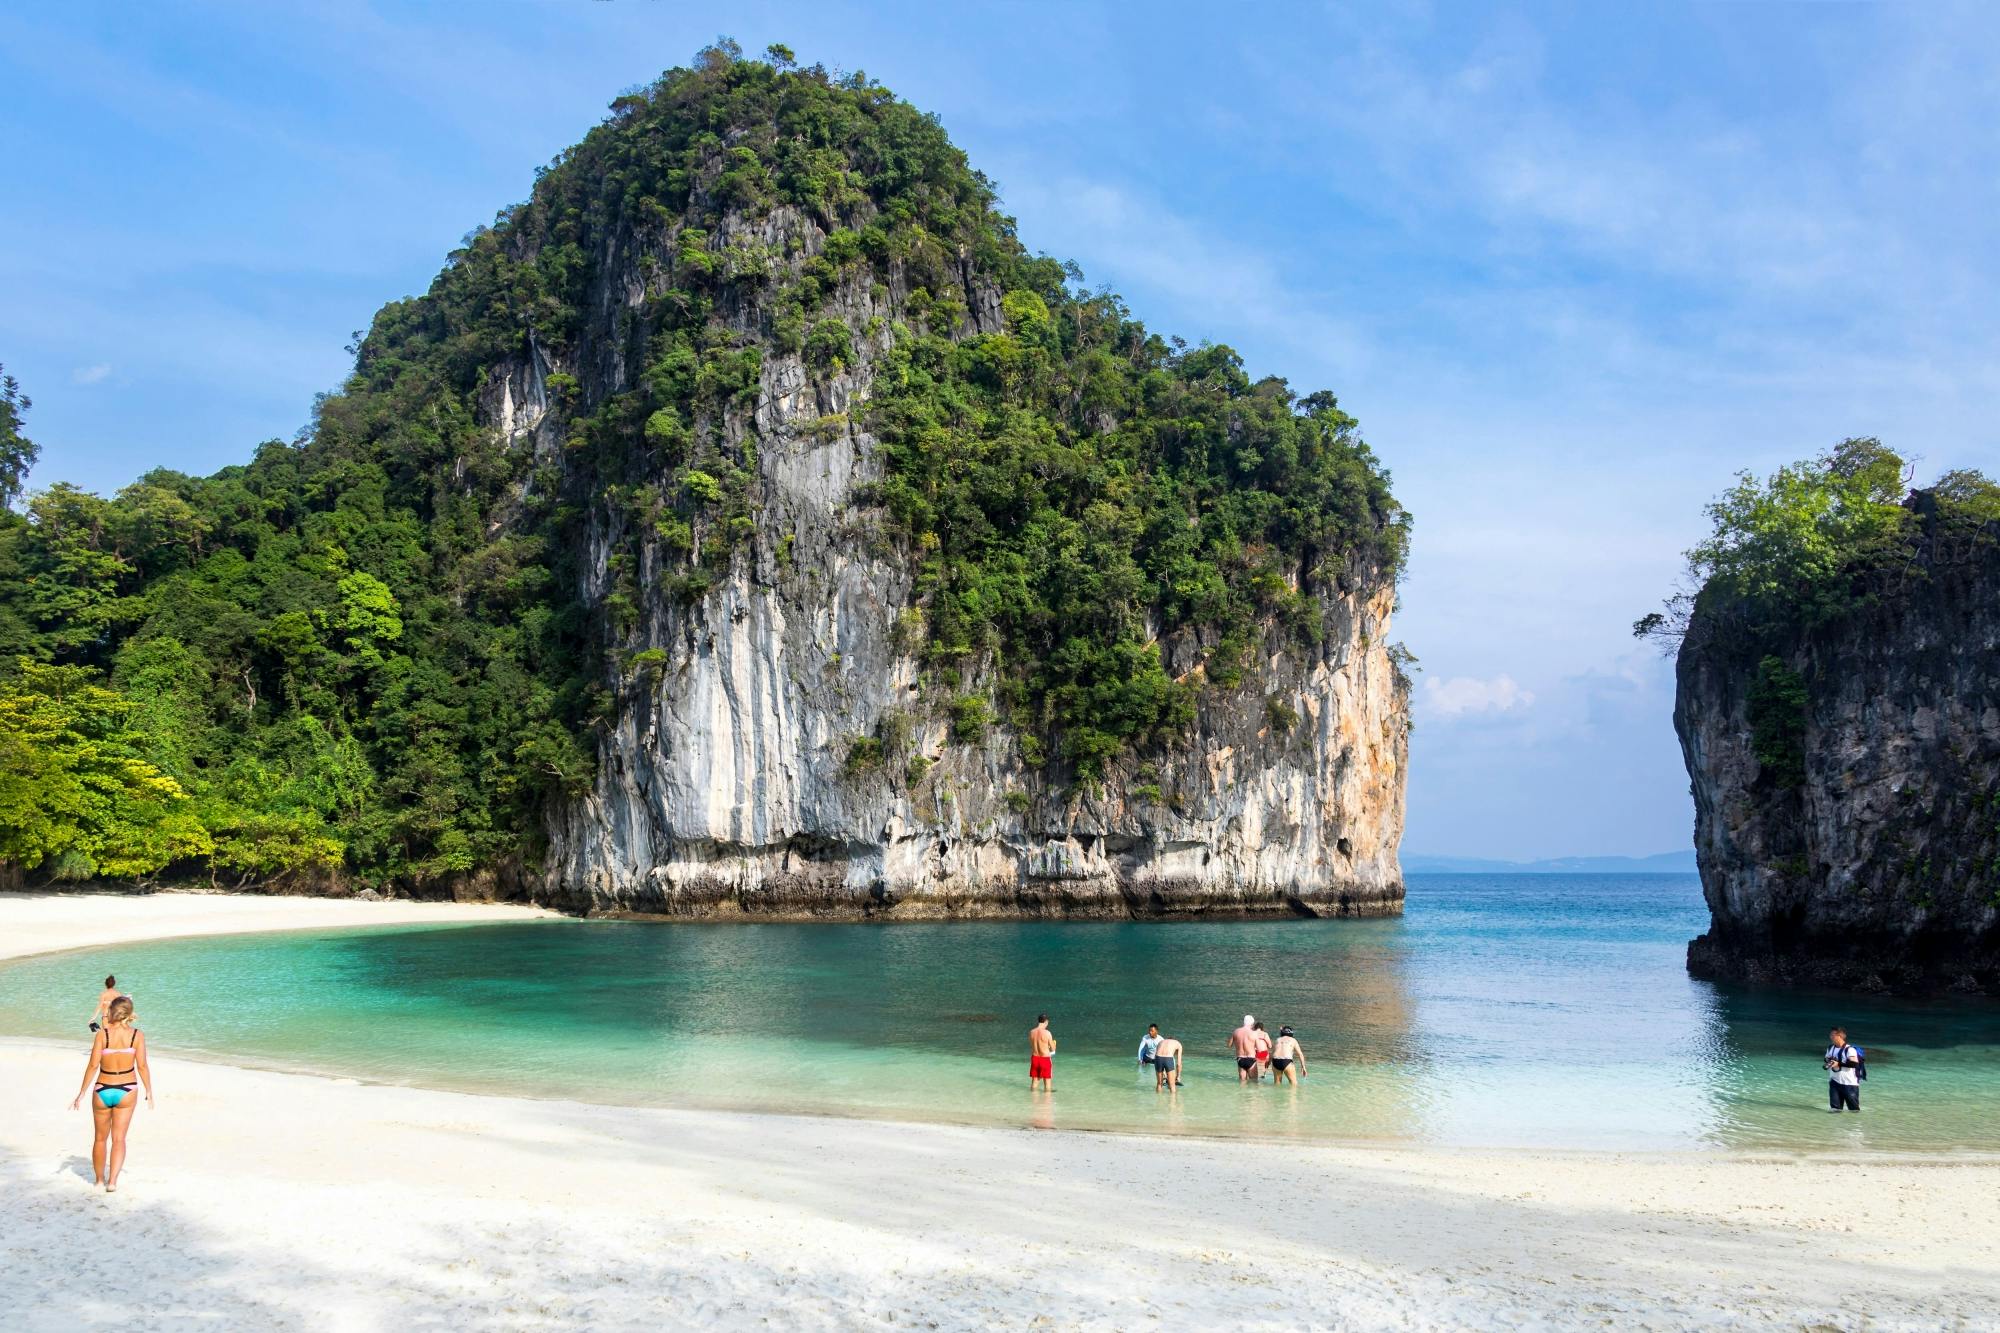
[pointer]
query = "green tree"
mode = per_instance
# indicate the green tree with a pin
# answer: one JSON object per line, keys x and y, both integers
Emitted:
{"x": 369, "y": 616}
{"x": 828, "y": 345}
{"x": 74, "y": 792}
{"x": 17, "y": 452}
{"x": 1971, "y": 493}
{"x": 74, "y": 590}
{"x": 1778, "y": 548}
{"x": 1804, "y": 522}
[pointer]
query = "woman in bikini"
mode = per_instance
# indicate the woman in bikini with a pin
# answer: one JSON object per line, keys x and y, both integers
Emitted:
{"x": 104, "y": 999}
{"x": 117, "y": 1059}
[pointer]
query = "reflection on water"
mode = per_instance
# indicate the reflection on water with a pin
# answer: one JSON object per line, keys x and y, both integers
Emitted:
{"x": 1548, "y": 1010}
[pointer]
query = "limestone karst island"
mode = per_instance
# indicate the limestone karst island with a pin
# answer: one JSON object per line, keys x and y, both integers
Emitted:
{"x": 1839, "y": 706}
{"x": 749, "y": 523}
{"x": 837, "y": 724}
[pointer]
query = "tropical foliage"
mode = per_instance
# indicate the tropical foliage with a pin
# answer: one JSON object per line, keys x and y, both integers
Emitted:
{"x": 1795, "y": 549}
{"x": 371, "y": 650}
{"x": 76, "y": 792}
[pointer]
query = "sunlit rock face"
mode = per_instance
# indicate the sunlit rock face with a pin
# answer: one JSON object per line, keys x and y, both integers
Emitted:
{"x": 723, "y": 782}
{"x": 1881, "y": 869}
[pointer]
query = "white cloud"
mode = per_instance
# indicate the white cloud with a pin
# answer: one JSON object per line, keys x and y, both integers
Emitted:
{"x": 1598, "y": 746}
{"x": 1464, "y": 695}
{"x": 96, "y": 374}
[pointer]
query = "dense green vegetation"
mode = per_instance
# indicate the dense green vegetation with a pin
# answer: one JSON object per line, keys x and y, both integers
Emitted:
{"x": 1815, "y": 541}
{"x": 367, "y": 652}
{"x": 1077, "y": 485}
{"x": 1808, "y": 543}
{"x": 76, "y": 791}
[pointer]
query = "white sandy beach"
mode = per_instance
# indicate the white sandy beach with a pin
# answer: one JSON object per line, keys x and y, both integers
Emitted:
{"x": 261, "y": 1200}
{"x": 45, "y": 922}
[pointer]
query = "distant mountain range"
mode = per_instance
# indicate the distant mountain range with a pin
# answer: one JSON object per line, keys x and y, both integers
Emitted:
{"x": 1666, "y": 863}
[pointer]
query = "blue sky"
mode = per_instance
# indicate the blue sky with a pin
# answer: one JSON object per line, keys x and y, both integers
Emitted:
{"x": 1571, "y": 265}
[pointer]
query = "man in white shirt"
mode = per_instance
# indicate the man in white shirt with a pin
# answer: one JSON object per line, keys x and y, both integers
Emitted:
{"x": 1843, "y": 1070}
{"x": 1149, "y": 1043}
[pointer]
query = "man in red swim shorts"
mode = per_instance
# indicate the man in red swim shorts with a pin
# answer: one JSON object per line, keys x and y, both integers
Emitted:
{"x": 1041, "y": 1055}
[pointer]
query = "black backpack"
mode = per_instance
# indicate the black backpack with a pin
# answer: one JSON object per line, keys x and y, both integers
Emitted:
{"x": 1860, "y": 1061}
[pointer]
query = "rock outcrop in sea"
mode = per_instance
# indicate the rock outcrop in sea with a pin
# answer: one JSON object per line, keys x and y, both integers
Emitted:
{"x": 723, "y": 783}
{"x": 747, "y": 523}
{"x": 1869, "y": 856}
{"x": 726, "y": 778}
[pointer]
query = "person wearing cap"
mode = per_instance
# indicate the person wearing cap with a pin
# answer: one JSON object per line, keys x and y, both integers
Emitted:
{"x": 1243, "y": 1042}
{"x": 1285, "y": 1053}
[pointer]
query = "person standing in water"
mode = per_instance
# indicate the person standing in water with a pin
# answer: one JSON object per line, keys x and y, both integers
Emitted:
{"x": 1167, "y": 1064}
{"x": 104, "y": 999}
{"x": 117, "y": 1059}
{"x": 1843, "y": 1074}
{"x": 1041, "y": 1055}
{"x": 1243, "y": 1042}
{"x": 1263, "y": 1055}
{"x": 1286, "y": 1052}
{"x": 1149, "y": 1043}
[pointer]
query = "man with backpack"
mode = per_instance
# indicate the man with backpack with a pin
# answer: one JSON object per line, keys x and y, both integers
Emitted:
{"x": 1846, "y": 1066}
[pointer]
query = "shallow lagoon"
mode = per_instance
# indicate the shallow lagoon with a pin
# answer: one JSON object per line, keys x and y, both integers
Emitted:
{"x": 1548, "y": 1010}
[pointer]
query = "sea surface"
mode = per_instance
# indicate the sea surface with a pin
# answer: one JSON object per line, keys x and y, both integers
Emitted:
{"x": 1533, "y": 1010}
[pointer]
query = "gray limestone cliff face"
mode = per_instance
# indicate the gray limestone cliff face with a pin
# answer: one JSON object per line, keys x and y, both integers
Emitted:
{"x": 1880, "y": 870}
{"x": 723, "y": 783}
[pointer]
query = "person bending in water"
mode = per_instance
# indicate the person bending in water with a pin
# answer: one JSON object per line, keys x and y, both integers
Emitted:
{"x": 117, "y": 1057}
{"x": 1167, "y": 1064}
{"x": 1286, "y": 1052}
{"x": 1243, "y": 1042}
{"x": 1041, "y": 1054}
{"x": 104, "y": 999}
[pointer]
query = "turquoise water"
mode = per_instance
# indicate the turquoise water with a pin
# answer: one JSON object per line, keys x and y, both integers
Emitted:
{"x": 1535, "y": 1010}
